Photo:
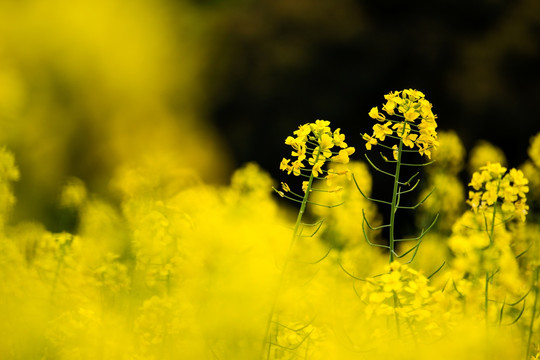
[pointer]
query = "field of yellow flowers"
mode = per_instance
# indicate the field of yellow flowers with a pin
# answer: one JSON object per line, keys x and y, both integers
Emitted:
{"x": 179, "y": 269}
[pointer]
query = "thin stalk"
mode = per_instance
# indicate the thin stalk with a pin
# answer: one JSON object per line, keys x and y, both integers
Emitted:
{"x": 486, "y": 300}
{"x": 393, "y": 205}
{"x": 491, "y": 234}
{"x": 531, "y": 325}
{"x": 266, "y": 345}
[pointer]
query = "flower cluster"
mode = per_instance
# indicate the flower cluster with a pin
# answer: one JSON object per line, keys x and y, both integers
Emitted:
{"x": 409, "y": 105}
{"x": 314, "y": 142}
{"x": 402, "y": 291}
{"x": 493, "y": 185}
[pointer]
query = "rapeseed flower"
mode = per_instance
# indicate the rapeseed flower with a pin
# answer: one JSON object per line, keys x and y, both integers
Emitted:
{"x": 412, "y": 126}
{"x": 484, "y": 152}
{"x": 315, "y": 142}
{"x": 494, "y": 185}
{"x": 411, "y": 105}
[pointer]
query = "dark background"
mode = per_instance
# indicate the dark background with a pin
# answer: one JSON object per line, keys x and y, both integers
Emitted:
{"x": 280, "y": 63}
{"x": 89, "y": 88}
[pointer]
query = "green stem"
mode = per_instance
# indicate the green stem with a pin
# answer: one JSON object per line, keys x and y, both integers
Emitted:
{"x": 393, "y": 206}
{"x": 486, "y": 295}
{"x": 531, "y": 325}
{"x": 266, "y": 345}
{"x": 491, "y": 234}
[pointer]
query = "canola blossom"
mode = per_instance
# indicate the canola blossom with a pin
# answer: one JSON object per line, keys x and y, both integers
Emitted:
{"x": 493, "y": 185}
{"x": 313, "y": 146}
{"x": 411, "y": 105}
{"x": 413, "y": 122}
{"x": 174, "y": 267}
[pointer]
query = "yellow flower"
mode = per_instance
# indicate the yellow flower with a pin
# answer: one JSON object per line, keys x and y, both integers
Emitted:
{"x": 343, "y": 155}
{"x": 305, "y": 185}
{"x": 375, "y": 114}
{"x": 477, "y": 181}
{"x": 402, "y": 129}
{"x": 300, "y": 152}
{"x": 339, "y": 139}
{"x": 508, "y": 206}
{"x": 393, "y": 99}
{"x": 302, "y": 132}
{"x": 425, "y": 109}
{"x": 490, "y": 195}
{"x": 474, "y": 200}
{"x": 411, "y": 115}
{"x": 378, "y": 297}
{"x": 320, "y": 127}
{"x": 395, "y": 152}
{"x": 425, "y": 150}
{"x": 326, "y": 142}
{"x": 295, "y": 142}
{"x": 509, "y": 193}
{"x": 484, "y": 152}
{"x": 369, "y": 141}
{"x": 409, "y": 140}
{"x": 495, "y": 169}
{"x": 284, "y": 165}
{"x": 521, "y": 209}
{"x": 494, "y": 184}
{"x": 316, "y": 170}
{"x": 392, "y": 281}
{"x": 296, "y": 167}
{"x": 380, "y": 131}
{"x": 389, "y": 107}
{"x": 413, "y": 94}
{"x": 520, "y": 182}
{"x": 285, "y": 187}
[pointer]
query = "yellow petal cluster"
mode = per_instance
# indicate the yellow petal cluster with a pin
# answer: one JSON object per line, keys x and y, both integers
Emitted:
{"x": 411, "y": 105}
{"x": 493, "y": 185}
{"x": 316, "y": 143}
{"x": 403, "y": 286}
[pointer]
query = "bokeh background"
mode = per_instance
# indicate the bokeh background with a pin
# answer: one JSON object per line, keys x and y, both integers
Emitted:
{"x": 88, "y": 88}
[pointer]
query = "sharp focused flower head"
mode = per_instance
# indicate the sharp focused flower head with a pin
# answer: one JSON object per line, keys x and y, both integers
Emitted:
{"x": 414, "y": 123}
{"x": 315, "y": 142}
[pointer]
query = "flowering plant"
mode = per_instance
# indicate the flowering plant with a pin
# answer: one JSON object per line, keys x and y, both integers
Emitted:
{"x": 412, "y": 125}
{"x": 494, "y": 186}
{"x": 313, "y": 142}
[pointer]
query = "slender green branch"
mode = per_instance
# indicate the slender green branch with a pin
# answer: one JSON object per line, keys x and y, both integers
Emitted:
{"x": 423, "y": 164}
{"x": 376, "y": 168}
{"x": 367, "y": 238}
{"x": 267, "y": 344}
{"x": 419, "y": 203}
{"x": 394, "y": 199}
{"x": 367, "y": 197}
{"x": 436, "y": 271}
{"x": 373, "y": 227}
{"x": 326, "y": 206}
{"x": 533, "y": 316}
{"x": 408, "y": 182}
{"x": 411, "y": 189}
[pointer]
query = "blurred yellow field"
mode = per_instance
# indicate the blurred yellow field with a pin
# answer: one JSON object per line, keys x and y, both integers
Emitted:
{"x": 123, "y": 234}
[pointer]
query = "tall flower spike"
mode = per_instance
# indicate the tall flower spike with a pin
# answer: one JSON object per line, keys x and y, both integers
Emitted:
{"x": 410, "y": 123}
{"x": 495, "y": 187}
{"x": 314, "y": 142}
{"x": 496, "y": 191}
